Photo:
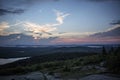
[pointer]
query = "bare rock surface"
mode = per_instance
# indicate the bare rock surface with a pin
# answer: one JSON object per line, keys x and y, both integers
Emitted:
{"x": 99, "y": 77}
{"x": 41, "y": 76}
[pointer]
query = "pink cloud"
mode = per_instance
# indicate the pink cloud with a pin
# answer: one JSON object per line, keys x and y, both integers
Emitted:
{"x": 86, "y": 40}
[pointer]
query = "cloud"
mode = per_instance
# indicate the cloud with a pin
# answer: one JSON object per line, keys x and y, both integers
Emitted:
{"x": 47, "y": 31}
{"x": 115, "y": 22}
{"x": 73, "y": 34}
{"x": 37, "y": 31}
{"x": 5, "y": 29}
{"x": 111, "y": 35}
{"x": 111, "y": 32}
{"x": 36, "y": 28}
{"x": 16, "y": 38}
{"x": 32, "y": 29}
{"x": 43, "y": 31}
{"x": 21, "y": 39}
{"x": 18, "y": 6}
{"x": 116, "y": 27}
{"x": 6, "y": 11}
{"x": 60, "y": 16}
{"x": 3, "y": 26}
{"x": 47, "y": 35}
{"x": 87, "y": 40}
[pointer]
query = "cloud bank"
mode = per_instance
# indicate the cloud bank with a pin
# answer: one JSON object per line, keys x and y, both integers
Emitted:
{"x": 111, "y": 35}
{"x": 46, "y": 33}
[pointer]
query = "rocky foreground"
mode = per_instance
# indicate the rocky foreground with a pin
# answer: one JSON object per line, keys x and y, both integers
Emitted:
{"x": 41, "y": 76}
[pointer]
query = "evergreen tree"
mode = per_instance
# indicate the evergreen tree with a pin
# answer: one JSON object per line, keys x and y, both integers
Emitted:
{"x": 111, "y": 50}
{"x": 104, "y": 52}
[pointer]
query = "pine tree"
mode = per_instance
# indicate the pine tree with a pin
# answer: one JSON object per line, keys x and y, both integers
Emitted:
{"x": 111, "y": 50}
{"x": 104, "y": 52}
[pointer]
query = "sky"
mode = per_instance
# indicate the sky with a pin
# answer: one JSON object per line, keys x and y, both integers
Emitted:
{"x": 59, "y": 22}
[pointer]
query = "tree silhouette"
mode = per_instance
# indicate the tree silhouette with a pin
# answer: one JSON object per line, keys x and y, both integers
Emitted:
{"x": 104, "y": 52}
{"x": 111, "y": 50}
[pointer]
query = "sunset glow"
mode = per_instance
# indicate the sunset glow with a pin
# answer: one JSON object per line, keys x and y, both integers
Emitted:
{"x": 59, "y": 22}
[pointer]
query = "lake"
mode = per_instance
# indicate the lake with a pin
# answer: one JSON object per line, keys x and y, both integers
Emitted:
{"x": 10, "y": 60}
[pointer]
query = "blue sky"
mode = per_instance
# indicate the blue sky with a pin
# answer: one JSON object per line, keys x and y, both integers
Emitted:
{"x": 66, "y": 21}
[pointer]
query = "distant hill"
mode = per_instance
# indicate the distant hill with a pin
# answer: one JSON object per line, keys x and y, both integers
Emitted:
{"x": 9, "y": 52}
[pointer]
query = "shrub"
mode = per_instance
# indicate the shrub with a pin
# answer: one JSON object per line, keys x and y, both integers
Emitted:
{"x": 113, "y": 62}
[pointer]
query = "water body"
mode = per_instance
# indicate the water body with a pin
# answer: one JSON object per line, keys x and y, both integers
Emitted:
{"x": 10, "y": 60}
{"x": 95, "y": 46}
